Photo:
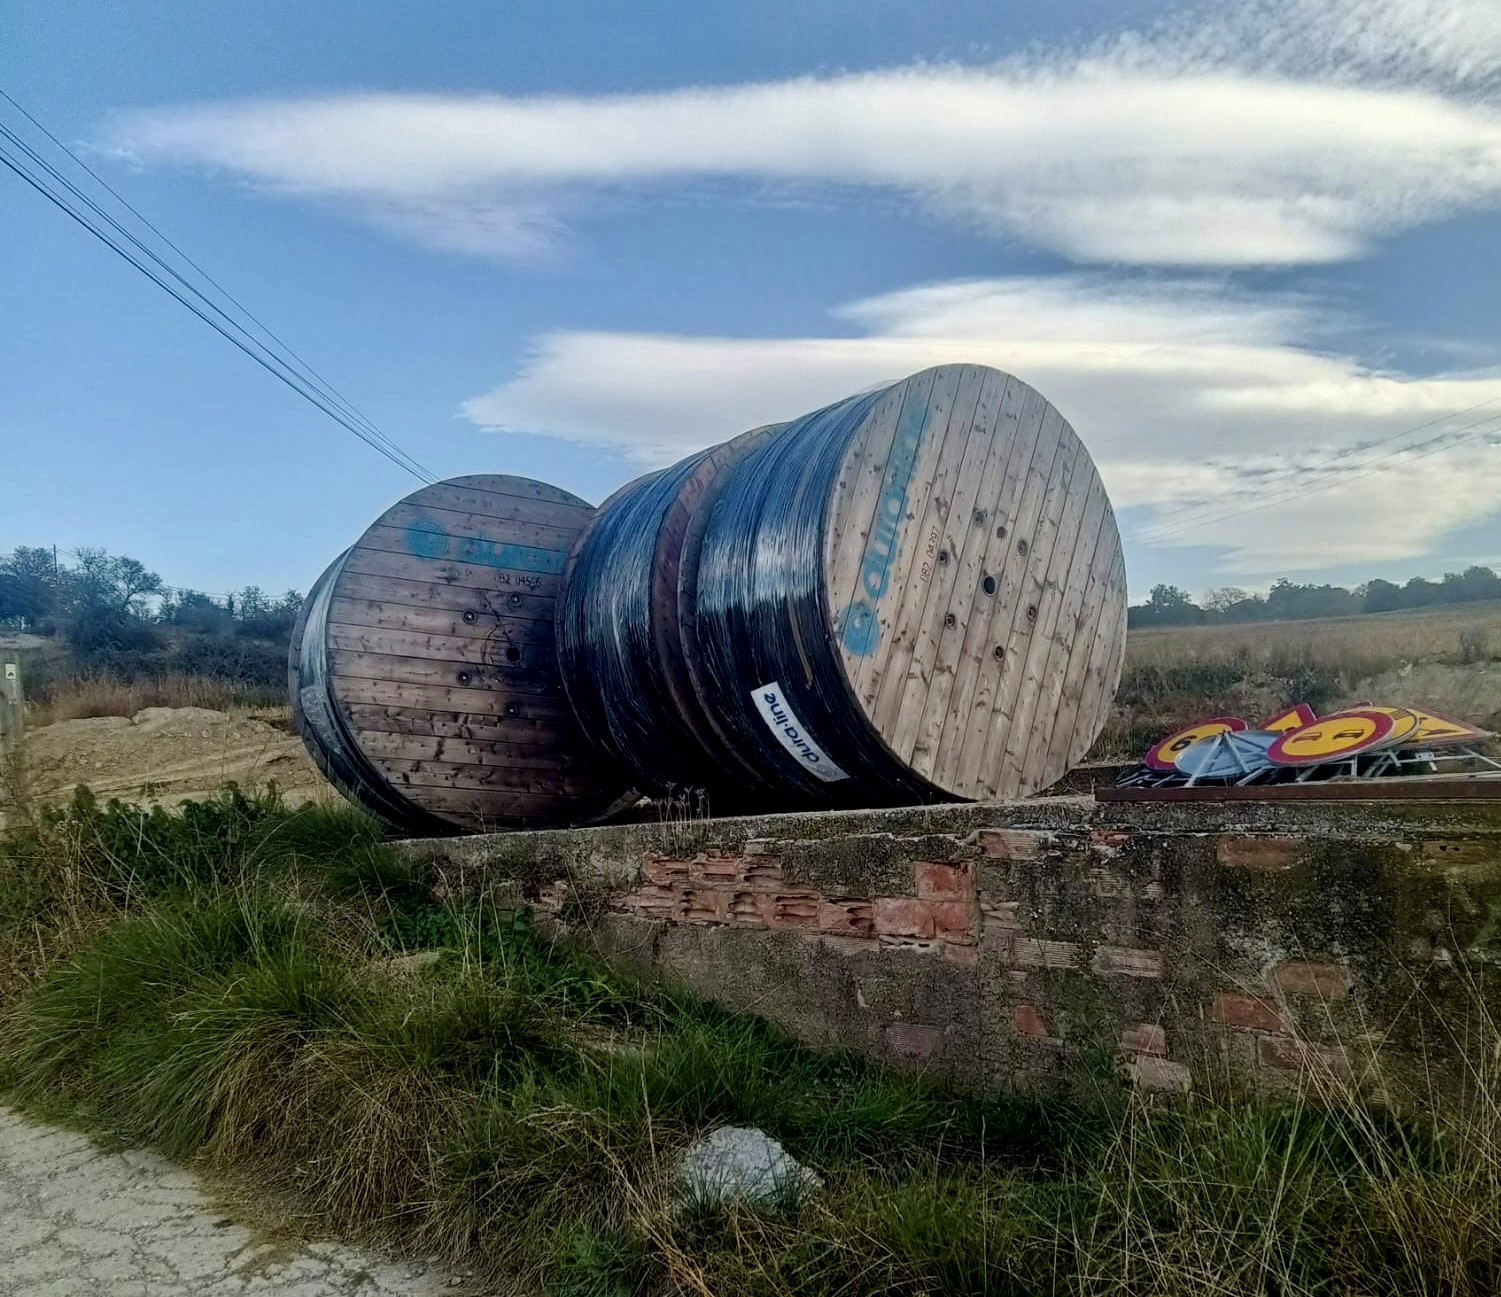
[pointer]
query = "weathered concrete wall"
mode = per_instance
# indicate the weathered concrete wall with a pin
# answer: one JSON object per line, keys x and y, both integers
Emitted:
{"x": 1055, "y": 944}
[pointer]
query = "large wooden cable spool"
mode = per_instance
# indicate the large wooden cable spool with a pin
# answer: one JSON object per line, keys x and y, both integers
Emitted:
{"x": 623, "y": 614}
{"x": 916, "y": 594}
{"x": 426, "y": 672}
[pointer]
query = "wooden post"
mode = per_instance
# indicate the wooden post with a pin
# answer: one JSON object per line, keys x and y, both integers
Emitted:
{"x": 12, "y": 714}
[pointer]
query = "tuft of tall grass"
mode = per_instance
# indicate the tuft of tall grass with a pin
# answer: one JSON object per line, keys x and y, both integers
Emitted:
{"x": 514, "y": 1103}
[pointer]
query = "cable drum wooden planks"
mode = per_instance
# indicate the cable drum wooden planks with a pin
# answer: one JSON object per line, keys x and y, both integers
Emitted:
{"x": 916, "y": 594}
{"x": 425, "y": 673}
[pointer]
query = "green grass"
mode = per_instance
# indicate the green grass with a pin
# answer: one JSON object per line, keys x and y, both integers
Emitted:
{"x": 233, "y": 984}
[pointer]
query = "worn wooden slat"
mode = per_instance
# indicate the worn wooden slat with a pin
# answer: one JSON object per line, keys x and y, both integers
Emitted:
{"x": 520, "y": 647}
{"x": 446, "y": 722}
{"x": 485, "y": 581}
{"x": 889, "y": 694}
{"x": 979, "y": 669}
{"x": 969, "y": 599}
{"x": 899, "y": 420}
{"x": 1079, "y": 710}
{"x": 1024, "y": 765}
{"x": 351, "y": 665}
{"x": 1040, "y": 761}
{"x": 1103, "y": 674}
{"x": 378, "y": 614}
{"x": 356, "y": 585}
{"x": 401, "y": 744}
{"x": 913, "y": 535}
{"x": 991, "y": 667}
{"x": 1027, "y": 612}
{"x": 533, "y": 550}
{"x": 858, "y": 487}
{"x": 903, "y": 708}
{"x": 507, "y": 776}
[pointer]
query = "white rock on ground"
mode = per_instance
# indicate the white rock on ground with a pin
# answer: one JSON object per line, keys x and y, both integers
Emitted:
{"x": 741, "y": 1162}
{"x": 76, "y": 1220}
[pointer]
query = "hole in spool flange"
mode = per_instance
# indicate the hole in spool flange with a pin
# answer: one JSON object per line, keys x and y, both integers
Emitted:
{"x": 470, "y": 617}
{"x": 979, "y": 517}
{"x": 513, "y": 654}
{"x": 950, "y": 620}
{"x": 943, "y": 556}
{"x": 988, "y": 585}
{"x": 1031, "y": 612}
{"x": 514, "y": 600}
{"x": 463, "y": 677}
{"x": 512, "y": 709}
{"x": 1022, "y": 547}
{"x": 1000, "y": 653}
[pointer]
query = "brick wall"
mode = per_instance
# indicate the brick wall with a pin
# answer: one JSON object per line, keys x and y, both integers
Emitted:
{"x": 1059, "y": 945}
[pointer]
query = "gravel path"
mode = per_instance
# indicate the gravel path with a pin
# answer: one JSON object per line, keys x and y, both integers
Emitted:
{"x": 78, "y": 1222}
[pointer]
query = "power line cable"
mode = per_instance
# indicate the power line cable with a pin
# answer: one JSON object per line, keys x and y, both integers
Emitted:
{"x": 1444, "y": 441}
{"x": 269, "y": 362}
{"x": 245, "y": 310}
{"x": 295, "y": 373}
{"x": 1171, "y": 516}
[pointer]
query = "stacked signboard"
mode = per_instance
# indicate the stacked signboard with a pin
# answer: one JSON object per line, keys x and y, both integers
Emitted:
{"x": 1295, "y": 746}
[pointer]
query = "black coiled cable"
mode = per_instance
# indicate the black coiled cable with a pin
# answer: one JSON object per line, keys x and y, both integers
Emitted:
{"x": 609, "y": 648}
{"x": 765, "y": 633}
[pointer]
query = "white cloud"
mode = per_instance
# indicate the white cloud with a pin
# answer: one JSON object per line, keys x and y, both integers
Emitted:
{"x": 1264, "y": 132}
{"x": 1184, "y": 392}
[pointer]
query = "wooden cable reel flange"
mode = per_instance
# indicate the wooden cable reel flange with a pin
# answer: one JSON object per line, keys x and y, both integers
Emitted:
{"x": 976, "y": 574}
{"x": 435, "y": 646}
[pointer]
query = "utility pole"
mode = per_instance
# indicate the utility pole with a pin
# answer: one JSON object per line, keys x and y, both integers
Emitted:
{"x": 12, "y": 713}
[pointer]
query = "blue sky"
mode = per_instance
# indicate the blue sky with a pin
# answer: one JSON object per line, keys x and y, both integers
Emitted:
{"x": 574, "y": 241}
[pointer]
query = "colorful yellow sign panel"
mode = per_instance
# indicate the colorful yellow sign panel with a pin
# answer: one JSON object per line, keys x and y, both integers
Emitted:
{"x": 1163, "y": 755}
{"x": 1293, "y": 718}
{"x": 1333, "y": 738}
{"x": 1306, "y": 740}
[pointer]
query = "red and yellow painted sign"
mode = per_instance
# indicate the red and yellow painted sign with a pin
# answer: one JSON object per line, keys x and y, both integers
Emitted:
{"x": 1437, "y": 731}
{"x": 1290, "y": 718}
{"x": 1334, "y": 738}
{"x": 1405, "y": 724}
{"x": 1163, "y": 755}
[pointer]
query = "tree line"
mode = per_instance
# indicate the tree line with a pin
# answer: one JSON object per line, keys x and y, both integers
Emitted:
{"x": 1288, "y": 600}
{"x": 114, "y": 613}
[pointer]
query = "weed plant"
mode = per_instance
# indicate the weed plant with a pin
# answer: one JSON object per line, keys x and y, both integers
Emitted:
{"x": 236, "y": 984}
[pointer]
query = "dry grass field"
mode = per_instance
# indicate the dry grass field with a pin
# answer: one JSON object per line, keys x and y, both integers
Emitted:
{"x": 77, "y": 697}
{"x": 1448, "y": 659}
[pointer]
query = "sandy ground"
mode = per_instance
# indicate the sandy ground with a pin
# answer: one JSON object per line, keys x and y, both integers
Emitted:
{"x": 169, "y": 754}
{"x": 76, "y": 1220}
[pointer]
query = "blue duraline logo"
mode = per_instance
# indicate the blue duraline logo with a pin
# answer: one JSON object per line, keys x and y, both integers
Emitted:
{"x": 860, "y": 630}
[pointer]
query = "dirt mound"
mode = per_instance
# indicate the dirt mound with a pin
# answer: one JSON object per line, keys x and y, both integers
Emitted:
{"x": 168, "y": 755}
{"x": 1469, "y": 691}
